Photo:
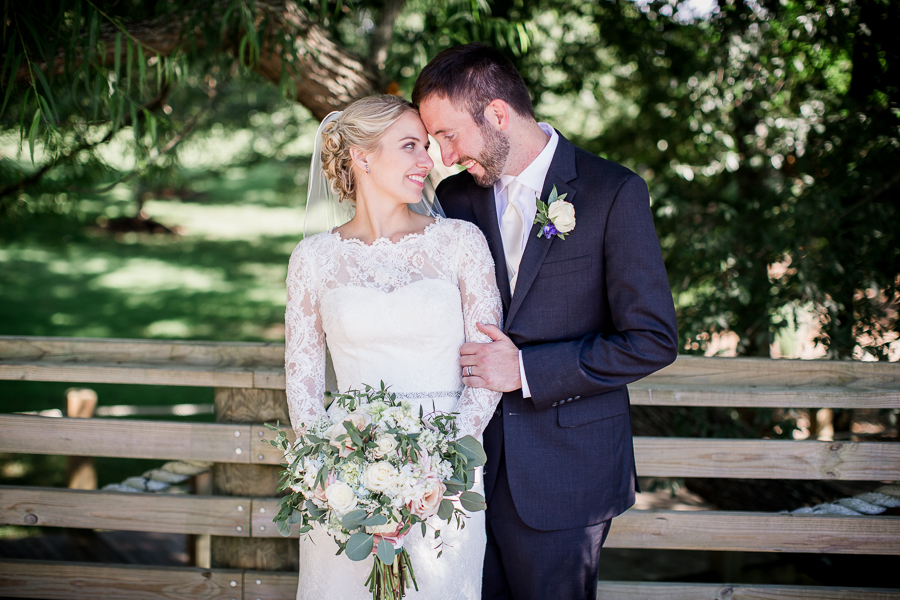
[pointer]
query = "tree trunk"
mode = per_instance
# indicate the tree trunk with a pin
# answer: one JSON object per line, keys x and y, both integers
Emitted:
{"x": 325, "y": 75}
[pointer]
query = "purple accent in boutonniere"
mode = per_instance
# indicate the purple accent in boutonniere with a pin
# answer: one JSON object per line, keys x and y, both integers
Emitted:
{"x": 556, "y": 217}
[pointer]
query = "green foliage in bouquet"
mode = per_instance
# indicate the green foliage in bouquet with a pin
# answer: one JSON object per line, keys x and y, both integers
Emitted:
{"x": 374, "y": 451}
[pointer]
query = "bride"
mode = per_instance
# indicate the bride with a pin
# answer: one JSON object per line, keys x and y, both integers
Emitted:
{"x": 394, "y": 292}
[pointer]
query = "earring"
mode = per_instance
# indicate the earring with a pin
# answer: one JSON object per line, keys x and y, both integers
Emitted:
{"x": 367, "y": 169}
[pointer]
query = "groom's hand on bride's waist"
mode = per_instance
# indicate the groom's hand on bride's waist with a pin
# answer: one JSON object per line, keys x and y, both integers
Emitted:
{"x": 493, "y": 365}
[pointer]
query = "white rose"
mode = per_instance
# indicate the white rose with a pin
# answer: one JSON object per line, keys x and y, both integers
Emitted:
{"x": 385, "y": 444}
{"x": 563, "y": 216}
{"x": 390, "y": 528}
{"x": 379, "y": 476}
{"x": 340, "y": 497}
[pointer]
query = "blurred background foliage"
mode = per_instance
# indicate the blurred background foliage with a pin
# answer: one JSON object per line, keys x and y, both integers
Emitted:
{"x": 767, "y": 131}
{"x": 153, "y": 159}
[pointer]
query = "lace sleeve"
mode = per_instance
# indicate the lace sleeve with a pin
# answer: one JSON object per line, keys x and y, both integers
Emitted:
{"x": 481, "y": 304}
{"x": 304, "y": 343}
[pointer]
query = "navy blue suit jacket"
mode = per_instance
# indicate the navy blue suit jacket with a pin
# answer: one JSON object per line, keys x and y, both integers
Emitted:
{"x": 591, "y": 313}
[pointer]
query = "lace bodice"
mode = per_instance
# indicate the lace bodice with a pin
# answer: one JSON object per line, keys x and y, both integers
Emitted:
{"x": 390, "y": 311}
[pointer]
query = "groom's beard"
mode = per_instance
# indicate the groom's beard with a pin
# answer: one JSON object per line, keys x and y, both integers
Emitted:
{"x": 493, "y": 157}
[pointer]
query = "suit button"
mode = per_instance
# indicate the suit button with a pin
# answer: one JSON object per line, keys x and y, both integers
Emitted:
{"x": 555, "y": 404}
{"x": 577, "y": 397}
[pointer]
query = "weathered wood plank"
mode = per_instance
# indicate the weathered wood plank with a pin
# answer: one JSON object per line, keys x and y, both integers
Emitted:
{"x": 615, "y": 590}
{"x": 690, "y": 381}
{"x": 701, "y": 371}
{"x": 270, "y": 585}
{"x": 264, "y": 554}
{"x": 225, "y": 515}
{"x": 646, "y": 393}
{"x": 766, "y": 459}
{"x": 749, "y": 531}
{"x": 718, "y": 530}
{"x": 126, "y": 438}
{"x": 89, "y": 581}
{"x": 744, "y": 459}
{"x": 124, "y": 373}
{"x": 164, "y": 352}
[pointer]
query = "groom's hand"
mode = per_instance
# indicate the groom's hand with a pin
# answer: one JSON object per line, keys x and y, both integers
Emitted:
{"x": 494, "y": 365}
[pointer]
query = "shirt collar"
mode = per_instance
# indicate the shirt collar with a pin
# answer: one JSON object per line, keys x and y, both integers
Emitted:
{"x": 533, "y": 175}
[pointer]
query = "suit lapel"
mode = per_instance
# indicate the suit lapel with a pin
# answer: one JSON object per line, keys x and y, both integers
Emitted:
{"x": 485, "y": 211}
{"x": 562, "y": 170}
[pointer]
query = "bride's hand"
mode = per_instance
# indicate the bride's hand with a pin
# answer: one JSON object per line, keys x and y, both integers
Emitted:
{"x": 493, "y": 365}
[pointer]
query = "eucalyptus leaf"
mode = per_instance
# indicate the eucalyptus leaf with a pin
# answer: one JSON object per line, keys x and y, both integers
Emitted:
{"x": 359, "y": 546}
{"x": 386, "y": 553}
{"x": 472, "y": 501}
{"x": 445, "y": 510}
{"x": 472, "y": 450}
{"x": 454, "y": 487}
{"x": 354, "y": 518}
{"x": 374, "y": 521}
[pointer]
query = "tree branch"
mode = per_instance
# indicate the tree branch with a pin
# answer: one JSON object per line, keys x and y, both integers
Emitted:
{"x": 384, "y": 31}
{"x": 325, "y": 75}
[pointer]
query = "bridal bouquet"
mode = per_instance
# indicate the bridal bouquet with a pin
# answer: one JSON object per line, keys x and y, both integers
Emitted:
{"x": 371, "y": 474}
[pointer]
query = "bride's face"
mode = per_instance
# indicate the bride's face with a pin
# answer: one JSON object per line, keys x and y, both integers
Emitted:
{"x": 399, "y": 166}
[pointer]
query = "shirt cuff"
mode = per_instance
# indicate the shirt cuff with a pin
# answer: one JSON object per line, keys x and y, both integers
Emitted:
{"x": 526, "y": 392}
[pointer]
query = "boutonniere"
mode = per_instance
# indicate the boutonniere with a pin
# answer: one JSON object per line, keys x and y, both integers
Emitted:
{"x": 556, "y": 217}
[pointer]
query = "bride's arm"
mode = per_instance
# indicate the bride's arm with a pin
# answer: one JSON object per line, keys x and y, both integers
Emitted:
{"x": 481, "y": 304}
{"x": 304, "y": 343}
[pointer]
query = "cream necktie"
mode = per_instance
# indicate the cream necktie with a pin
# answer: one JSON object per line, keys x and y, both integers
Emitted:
{"x": 512, "y": 227}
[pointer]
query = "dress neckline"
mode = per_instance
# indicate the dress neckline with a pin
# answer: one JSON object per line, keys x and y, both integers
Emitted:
{"x": 383, "y": 241}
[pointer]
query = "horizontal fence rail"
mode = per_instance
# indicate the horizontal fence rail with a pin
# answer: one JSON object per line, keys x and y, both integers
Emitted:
{"x": 689, "y": 381}
{"x": 88, "y": 581}
{"x": 252, "y": 517}
{"x": 655, "y": 456}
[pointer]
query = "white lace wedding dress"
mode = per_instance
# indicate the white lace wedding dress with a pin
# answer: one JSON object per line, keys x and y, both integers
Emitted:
{"x": 398, "y": 313}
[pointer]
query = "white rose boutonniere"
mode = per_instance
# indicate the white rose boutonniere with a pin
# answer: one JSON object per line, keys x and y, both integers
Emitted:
{"x": 556, "y": 217}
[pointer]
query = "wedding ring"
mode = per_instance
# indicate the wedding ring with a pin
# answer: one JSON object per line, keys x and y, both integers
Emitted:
{"x": 469, "y": 371}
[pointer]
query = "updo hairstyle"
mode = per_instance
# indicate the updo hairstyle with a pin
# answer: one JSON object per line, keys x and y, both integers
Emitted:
{"x": 361, "y": 125}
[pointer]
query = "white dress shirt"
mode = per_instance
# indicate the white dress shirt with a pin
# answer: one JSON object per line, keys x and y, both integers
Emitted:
{"x": 532, "y": 182}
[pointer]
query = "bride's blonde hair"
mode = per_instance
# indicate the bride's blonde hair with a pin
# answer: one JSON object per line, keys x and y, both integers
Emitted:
{"x": 361, "y": 125}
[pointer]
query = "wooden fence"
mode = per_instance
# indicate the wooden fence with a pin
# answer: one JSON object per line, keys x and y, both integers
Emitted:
{"x": 248, "y": 562}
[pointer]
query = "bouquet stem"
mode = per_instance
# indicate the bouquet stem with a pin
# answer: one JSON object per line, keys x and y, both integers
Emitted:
{"x": 390, "y": 582}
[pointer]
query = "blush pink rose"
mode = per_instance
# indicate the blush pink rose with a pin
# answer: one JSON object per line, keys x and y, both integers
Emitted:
{"x": 429, "y": 503}
{"x": 319, "y": 492}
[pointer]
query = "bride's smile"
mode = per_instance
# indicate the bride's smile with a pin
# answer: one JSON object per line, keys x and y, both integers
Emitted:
{"x": 398, "y": 167}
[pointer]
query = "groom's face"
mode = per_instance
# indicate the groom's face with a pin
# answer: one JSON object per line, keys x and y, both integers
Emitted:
{"x": 482, "y": 150}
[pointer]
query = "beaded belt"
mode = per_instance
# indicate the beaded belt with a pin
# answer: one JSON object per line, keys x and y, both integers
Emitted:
{"x": 429, "y": 395}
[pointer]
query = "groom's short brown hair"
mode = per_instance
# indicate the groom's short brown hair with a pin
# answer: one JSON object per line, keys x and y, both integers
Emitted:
{"x": 471, "y": 77}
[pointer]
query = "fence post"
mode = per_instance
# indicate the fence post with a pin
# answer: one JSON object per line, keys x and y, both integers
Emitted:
{"x": 80, "y": 471}
{"x": 237, "y": 405}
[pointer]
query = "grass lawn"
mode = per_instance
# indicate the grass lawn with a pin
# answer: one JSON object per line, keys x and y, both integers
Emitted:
{"x": 221, "y": 278}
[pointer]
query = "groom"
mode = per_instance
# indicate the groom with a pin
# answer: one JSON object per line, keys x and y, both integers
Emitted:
{"x": 583, "y": 317}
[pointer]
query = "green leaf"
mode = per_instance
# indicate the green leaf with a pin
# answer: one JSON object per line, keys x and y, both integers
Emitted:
{"x": 374, "y": 521}
{"x": 354, "y": 518}
{"x": 472, "y": 450}
{"x": 12, "y": 81}
{"x": 128, "y": 59}
{"x": 53, "y": 115}
{"x": 359, "y": 546}
{"x": 315, "y": 513}
{"x": 142, "y": 71}
{"x": 295, "y": 517}
{"x": 472, "y": 501}
{"x": 454, "y": 487}
{"x": 32, "y": 132}
{"x": 386, "y": 552}
{"x": 445, "y": 510}
{"x": 118, "y": 56}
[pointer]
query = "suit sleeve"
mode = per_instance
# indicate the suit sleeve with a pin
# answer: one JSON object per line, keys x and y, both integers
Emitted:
{"x": 643, "y": 337}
